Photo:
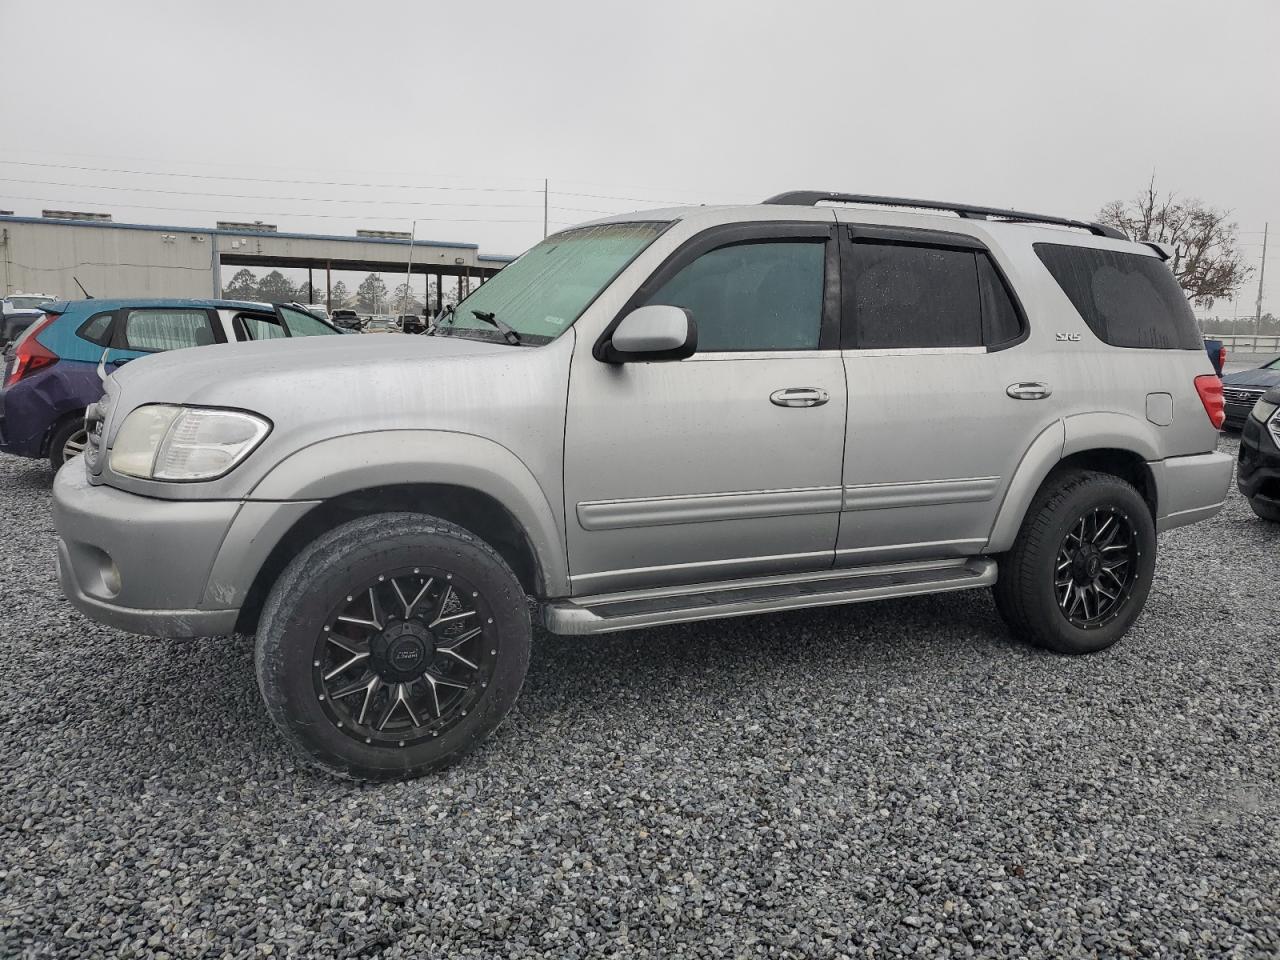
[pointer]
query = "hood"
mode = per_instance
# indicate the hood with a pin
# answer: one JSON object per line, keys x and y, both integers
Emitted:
{"x": 184, "y": 375}
{"x": 316, "y": 388}
{"x": 1253, "y": 378}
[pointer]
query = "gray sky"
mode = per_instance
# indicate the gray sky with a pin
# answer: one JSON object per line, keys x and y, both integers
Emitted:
{"x": 1056, "y": 107}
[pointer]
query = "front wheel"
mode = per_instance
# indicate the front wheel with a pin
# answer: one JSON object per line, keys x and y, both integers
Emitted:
{"x": 1081, "y": 567}
{"x": 1264, "y": 510}
{"x": 391, "y": 646}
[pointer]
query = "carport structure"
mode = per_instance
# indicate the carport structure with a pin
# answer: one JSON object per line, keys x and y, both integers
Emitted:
{"x": 62, "y": 255}
{"x": 362, "y": 254}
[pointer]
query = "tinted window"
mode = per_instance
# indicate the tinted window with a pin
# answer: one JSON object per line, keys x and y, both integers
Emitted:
{"x": 156, "y": 330}
{"x": 1128, "y": 300}
{"x": 97, "y": 329}
{"x": 1001, "y": 321}
{"x": 753, "y": 296}
{"x": 909, "y": 296}
{"x": 303, "y": 324}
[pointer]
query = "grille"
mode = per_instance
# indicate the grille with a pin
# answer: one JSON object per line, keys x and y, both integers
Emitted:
{"x": 1248, "y": 395}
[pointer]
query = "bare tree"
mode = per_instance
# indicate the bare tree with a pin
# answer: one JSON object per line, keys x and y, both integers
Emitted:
{"x": 1206, "y": 257}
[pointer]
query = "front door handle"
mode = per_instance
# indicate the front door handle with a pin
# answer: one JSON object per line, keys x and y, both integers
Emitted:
{"x": 799, "y": 397}
{"x": 1029, "y": 390}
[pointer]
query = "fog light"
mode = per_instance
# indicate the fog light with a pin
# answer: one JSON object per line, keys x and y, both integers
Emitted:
{"x": 111, "y": 578}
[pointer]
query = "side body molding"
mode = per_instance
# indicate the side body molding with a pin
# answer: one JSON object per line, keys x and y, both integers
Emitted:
{"x": 1041, "y": 457}
{"x": 387, "y": 457}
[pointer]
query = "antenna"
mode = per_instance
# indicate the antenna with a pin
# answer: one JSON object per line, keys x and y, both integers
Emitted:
{"x": 87, "y": 294}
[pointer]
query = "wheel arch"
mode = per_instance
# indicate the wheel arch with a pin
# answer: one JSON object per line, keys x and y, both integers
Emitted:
{"x": 468, "y": 480}
{"x": 475, "y": 511}
{"x": 56, "y": 424}
{"x": 1108, "y": 443}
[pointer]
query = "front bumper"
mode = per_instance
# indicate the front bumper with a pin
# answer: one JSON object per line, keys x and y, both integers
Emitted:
{"x": 1258, "y": 470}
{"x": 136, "y": 563}
{"x": 1191, "y": 489}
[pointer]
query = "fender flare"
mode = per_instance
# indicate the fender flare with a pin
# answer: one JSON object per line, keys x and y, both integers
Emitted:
{"x": 1071, "y": 435}
{"x": 1042, "y": 456}
{"x": 354, "y": 462}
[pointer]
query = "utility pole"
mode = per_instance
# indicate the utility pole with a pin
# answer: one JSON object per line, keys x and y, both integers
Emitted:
{"x": 544, "y": 209}
{"x": 408, "y": 271}
{"x": 1262, "y": 272}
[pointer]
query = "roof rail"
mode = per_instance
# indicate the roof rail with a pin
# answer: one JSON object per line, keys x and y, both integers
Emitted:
{"x": 809, "y": 198}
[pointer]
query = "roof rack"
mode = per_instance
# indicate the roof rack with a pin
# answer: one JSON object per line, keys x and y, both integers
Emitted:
{"x": 809, "y": 198}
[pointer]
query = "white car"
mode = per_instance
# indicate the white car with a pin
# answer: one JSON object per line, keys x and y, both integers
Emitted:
{"x": 24, "y": 301}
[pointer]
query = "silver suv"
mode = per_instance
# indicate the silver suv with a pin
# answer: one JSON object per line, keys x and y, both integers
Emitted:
{"x": 664, "y": 417}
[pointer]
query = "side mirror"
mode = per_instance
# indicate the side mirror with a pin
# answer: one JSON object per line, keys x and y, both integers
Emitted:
{"x": 655, "y": 332}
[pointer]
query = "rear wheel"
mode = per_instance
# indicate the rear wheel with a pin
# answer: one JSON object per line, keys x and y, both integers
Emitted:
{"x": 1081, "y": 567}
{"x": 69, "y": 438}
{"x": 1264, "y": 510}
{"x": 391, "y": 646}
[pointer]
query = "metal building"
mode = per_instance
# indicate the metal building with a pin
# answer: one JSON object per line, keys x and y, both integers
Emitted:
{"x": 48, "y": 255}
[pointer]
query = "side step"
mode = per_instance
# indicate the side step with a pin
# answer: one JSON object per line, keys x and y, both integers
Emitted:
{"x": 736, "y": 598}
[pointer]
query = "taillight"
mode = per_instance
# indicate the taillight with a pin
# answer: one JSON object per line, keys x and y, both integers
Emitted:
{"x": 1209, "y": 386}
{"x": 1222, "y": 358}
{"x": 30, "y": 354}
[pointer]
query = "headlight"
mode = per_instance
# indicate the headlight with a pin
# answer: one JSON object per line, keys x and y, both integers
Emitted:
{"x": 1268, "y": 414}
{"x": 162, "y": 442}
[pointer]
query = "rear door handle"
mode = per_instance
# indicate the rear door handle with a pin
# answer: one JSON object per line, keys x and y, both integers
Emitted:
{"x": 1029, "y": 390}
{"x": 799, "y": 397}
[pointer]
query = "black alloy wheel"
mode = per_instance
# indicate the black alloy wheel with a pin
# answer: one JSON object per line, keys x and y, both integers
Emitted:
{"x": 392, "y": 645}
{"x": 1095, "y": 568}
{"x": 404, "y": 657}
{"x": 1081, "y": 567}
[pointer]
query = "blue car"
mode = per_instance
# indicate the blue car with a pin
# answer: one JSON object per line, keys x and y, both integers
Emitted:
{"x": 51, "y": 371}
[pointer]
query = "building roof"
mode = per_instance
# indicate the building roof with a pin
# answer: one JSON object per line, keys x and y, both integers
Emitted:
{"x": 214, "y": 231}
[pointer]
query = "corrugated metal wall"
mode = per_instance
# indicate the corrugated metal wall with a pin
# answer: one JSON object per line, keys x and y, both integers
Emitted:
{"x": 46, "y": 257}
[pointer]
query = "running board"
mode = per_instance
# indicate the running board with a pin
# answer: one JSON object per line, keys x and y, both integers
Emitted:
{"x": 737, "y": 598}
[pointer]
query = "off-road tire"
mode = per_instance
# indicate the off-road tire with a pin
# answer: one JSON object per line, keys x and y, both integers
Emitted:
{"x": 1264, "y": 510}
{"x": 1024, "y": 591}
{"x": 298, "y": 604}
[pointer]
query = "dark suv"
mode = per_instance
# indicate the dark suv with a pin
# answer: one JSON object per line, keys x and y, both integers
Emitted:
{"x": 1258, "y": 472}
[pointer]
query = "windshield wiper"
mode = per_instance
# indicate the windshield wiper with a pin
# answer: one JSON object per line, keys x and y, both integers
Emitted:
{"x": 511, "y": 336}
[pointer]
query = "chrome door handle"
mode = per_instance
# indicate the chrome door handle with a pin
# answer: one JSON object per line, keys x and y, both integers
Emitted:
{"x": 1029, "y": 390}
{"x": 799, "y": 397}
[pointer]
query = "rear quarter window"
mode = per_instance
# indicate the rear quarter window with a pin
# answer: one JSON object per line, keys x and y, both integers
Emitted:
{"x": 1127, "y": 299}
{"x": 97, "y": 329}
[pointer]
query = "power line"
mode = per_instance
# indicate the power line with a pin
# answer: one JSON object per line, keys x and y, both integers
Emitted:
{"x": 331, "y": 183}
{"x": 252, "y": 196}
{"x": 317, "y": 183}
{"x": 264, "y": 213}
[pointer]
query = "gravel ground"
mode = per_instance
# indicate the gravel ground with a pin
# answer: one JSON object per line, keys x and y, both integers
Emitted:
{"x": 892, "y": 779}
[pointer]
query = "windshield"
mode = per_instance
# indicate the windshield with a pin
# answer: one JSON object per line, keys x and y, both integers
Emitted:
{"x": 28, "y": 303}
{"x": 543, "y": 292}
{"x": 303, "y": 324}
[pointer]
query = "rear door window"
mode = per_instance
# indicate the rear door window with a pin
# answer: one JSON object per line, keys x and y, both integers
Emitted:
{"x": 907, "y": 295}
{"x": 1127, "y": 299}
{"x": 154, "y": 330}
{"x": 911, "y": 296}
